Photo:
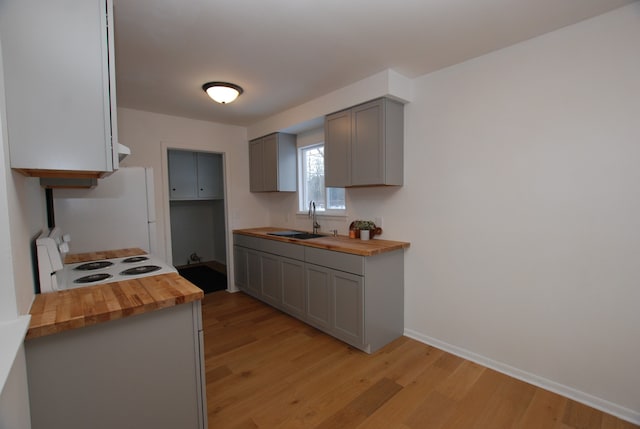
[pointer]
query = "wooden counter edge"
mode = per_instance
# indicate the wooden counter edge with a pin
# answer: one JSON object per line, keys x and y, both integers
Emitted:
{"x": 340, "y": 243}
{"x": 45, "y": 319}
{"x": 103, "y": 254}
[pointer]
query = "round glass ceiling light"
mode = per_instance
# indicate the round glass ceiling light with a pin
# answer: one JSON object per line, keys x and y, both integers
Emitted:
{"x": 222, "y": 92}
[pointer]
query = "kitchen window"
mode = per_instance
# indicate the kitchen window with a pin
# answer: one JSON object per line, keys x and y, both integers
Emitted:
{"x": 311, "y": 181}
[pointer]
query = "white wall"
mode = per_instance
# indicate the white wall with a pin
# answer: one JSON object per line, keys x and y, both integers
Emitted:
{"x": 22, "y": 216}
{"x": 522, "y": 203}
{"x": 386, "y": 83}
{"x": 150, "y": 134}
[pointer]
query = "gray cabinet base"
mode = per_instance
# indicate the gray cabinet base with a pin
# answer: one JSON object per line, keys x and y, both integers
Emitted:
{"x": 143, "y": 371}
{"x": 357, "y": 299}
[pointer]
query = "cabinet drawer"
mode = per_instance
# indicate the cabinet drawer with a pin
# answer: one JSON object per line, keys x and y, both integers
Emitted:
{"x": 336, "y": 260}
{"x": 288, "y": 250}
{"x": 249, "y": 242}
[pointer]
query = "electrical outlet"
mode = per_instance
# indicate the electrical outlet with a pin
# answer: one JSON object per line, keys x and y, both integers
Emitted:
{"x": 378, "y": 221}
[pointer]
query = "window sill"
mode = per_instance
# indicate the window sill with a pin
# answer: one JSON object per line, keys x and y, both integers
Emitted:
{"x": 325, "y": 215}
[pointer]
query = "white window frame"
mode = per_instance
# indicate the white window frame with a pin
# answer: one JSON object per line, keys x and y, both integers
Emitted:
{"x": 304, "y": 208}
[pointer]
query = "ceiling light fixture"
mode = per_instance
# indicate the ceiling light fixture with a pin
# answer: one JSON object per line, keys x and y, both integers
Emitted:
{"x": 222, "y": 92}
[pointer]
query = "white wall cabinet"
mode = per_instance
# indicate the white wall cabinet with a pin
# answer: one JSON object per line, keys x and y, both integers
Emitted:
{"x": 357, "y": 299}
{"x": 272, "y": 163}
{"x": 60, "y": 87}
{"x": 364, "y": 145}
{"x": 195, "y": 175}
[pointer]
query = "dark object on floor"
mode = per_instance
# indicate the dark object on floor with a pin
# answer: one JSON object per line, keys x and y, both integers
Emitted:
{"x": 205, "y": 278}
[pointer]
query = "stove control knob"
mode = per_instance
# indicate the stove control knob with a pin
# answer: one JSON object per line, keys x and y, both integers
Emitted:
{"x": 64, "y": 248}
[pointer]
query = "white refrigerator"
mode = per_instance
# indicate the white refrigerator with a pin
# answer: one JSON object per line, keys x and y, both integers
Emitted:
{"x": 118, "y": 213}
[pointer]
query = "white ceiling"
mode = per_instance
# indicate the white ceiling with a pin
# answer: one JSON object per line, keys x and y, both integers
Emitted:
{"x": 286, "y": 52}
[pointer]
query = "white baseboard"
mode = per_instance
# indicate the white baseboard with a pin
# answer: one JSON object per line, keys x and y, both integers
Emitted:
{"x": 569, "y": 392}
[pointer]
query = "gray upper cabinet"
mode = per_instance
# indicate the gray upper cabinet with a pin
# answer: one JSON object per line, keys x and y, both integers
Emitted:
{"x": 195, "y": 175}
{"x": 60, "y": 86}
{"x": 183, "y": 182}
{"x": 364, "y": 145}
{"x": 337, "y": 149}
{"x": 272, "y": 163}
{"x": 209, "y": 173}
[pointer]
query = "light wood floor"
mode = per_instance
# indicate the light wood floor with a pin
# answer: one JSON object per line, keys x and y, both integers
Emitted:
{"x": 268, "y": 370}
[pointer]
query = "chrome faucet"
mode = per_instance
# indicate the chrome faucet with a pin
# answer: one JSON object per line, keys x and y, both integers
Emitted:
{"x": 312, "y": 215}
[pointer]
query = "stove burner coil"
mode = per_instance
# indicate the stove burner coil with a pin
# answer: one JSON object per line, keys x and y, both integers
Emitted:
{"x": 133, "y": 259}
{"x": 142, "y": 269}
{"x": 96, "y": 265}
{"x": 93, "y": 278}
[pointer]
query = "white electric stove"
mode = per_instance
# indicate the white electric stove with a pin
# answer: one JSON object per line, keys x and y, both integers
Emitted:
{"x": 52, "y": 247}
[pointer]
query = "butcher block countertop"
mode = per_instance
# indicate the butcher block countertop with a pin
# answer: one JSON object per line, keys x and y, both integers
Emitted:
{"x": 64, "y": 310}
{"x": 105, "y": 254}
{"x": 340, "y": 243}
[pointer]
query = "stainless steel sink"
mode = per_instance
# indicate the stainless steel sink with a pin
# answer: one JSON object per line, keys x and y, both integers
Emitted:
{"x": 300, "y": 235}
{"x": 307, "y": 235}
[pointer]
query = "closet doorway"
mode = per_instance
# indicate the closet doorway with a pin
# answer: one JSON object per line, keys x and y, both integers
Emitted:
{"x": 197, "y": 217}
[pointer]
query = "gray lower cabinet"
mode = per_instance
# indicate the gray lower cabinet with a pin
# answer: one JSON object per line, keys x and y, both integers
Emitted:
{"x": 318, "y": 290}
{"x": 271, "y": 270}
{"x": 357, "y": 299}
{"x": 335, "y": 301}
{"x": 254, "y": 273}
{"x": 347, "y": 307}
{"x": 240, "y": 266}
{"x": 143, "y": 371}
{"x": 293, "y": 290}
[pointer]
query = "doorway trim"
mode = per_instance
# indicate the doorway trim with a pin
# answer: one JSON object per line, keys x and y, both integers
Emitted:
{"x": 165, "y": 147}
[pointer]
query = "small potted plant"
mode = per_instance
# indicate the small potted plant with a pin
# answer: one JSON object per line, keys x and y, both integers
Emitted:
{"x": 365, "y": 229}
